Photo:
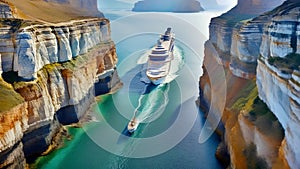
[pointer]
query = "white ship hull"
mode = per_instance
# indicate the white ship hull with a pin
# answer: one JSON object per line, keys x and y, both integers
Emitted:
{"x": 159, "y": 60}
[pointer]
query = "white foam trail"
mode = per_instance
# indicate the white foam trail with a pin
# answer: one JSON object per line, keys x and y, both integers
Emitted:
{"x": 151, "y": 105}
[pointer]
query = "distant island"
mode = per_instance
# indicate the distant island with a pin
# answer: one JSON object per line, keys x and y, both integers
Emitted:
{"x": 167, "y": 6}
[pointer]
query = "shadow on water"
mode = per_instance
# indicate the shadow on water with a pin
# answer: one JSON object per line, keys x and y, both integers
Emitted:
{"x": 124, "y": 136}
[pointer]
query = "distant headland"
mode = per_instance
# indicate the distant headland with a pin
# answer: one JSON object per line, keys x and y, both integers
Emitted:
{"x": 168, "y": 6}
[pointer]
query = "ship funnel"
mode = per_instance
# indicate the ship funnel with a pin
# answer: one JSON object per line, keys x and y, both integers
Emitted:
{"x": 168, "y": 31}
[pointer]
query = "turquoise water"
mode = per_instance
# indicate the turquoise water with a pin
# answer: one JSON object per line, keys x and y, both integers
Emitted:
{"x": 158, "y": 108}
{"x": 167, "y": 137}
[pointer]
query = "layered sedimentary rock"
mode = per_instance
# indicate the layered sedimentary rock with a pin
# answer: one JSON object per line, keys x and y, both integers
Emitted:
{"x": 55, "y": 71}
{"x": 278, "y": 74}
{"x": 237, "y": 37}
{"x": 268, "y": 44}
{"x": 251, "y": 137}
{"x": 39, "y": 45}
{"x": 168, "y": 6}
{"x": 5, "y": 11}
{"x": 281, "y": 94}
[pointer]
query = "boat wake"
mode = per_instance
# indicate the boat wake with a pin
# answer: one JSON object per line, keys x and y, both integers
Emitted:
{"x": 154, "y": 99}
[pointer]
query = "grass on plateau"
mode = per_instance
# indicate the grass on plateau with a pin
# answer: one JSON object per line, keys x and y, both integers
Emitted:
{"x": 289, "y": 63}
{"x": 9, "y": 98}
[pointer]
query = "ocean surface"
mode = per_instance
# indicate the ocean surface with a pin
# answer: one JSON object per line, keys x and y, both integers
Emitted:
{"x": 171, "y": 122}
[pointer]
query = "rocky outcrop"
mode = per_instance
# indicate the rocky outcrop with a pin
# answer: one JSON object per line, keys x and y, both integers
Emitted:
{"x": 13, "y": 124}
{"x": 5, "y": 11}
{"x": 56, "y": 70}
{"x": 34, "y": 46}
{"x": 237, "y": 37}
{"x": 250, "y": 137}
{"x": 267, "y": 48}
{"x": 280, "y": 92}
{"x": 278, "y": 74}
{"x": 167, "y": 6}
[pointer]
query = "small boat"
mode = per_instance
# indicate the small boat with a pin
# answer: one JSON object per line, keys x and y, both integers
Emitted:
{"x": 132, "y": 125}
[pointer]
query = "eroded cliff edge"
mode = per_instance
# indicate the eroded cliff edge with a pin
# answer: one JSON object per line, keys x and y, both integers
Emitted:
{"x": 260, "y": 56}
{"x": 51, "y": 73}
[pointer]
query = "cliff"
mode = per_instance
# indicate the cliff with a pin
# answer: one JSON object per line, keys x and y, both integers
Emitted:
{"x": 167, "y": 6}
{"x": 31, "y": 47}
{"x": 237, "y": 36}
{"x": 51, "y": 75}
{"x": 6, "y": 11}
{"x": 278, "y": 74}
{"x": 260, "y": 56}
{"x": 250, "y": 132}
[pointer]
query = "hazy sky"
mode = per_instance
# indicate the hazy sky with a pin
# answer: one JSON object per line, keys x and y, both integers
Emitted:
{"x": 220, "y": 2}
{"x": 204, "y": 3}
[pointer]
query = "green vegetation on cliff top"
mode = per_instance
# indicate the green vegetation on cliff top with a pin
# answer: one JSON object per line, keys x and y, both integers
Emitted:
{"x": 287, "y": 64}
{"x": 232, "y": 20}
{"x": 9, "y": 98}
{"x": 15, "y": 24}
{"x": 257, "y": 112}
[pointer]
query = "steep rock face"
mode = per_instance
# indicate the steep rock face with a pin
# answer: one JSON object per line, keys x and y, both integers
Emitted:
{"x": 278, "y": 74}
{"x": 13, "y": 124}
{"x": 237, "y": 37}
{"x": 266, "y": 144}
{"x": 62, "y": 92}
{"x": 64, "y": 67}
{"x": 282, "y": 95}
{"x": 274, "y": 36}
{"x": 32, "y": 47}
{"x": 7, "y": 48}
{"x": 5, "y": 11}
{"x": 168, "y": 6}
{"x": 281, "y": 36}
{"x": 244, "y": 49}
{"x": 13, "y": 157}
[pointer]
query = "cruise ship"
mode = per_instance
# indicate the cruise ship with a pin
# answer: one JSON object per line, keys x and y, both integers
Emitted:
{"x": 160, "y": 57}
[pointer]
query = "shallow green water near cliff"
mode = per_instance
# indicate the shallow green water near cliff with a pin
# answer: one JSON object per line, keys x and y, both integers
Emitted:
{"x": 171, "y": 122}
